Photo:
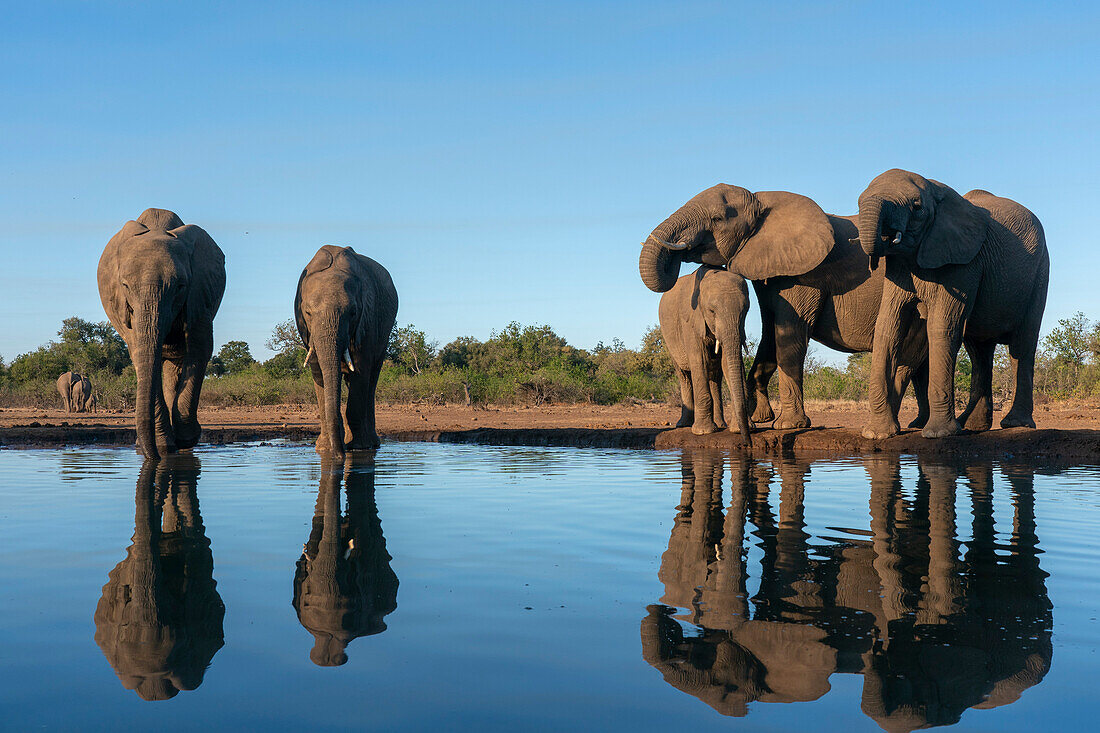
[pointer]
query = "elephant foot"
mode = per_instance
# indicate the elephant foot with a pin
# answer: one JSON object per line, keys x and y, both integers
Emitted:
{"x": 918, "y": 422}
{"x": 704, "y": 428}
{"x": 1017, "y": 420}
{"x": 187, "y": 436}
{"x": 979, "y": 421}
{"x": 684, "y": 423}
{"x": 791, "y": 423}
{"x": 366, "y": 442}
{"x": 941, "y": 428}
{"x": 720, "y": 422}
{"x": 877, "y": 430}
{"x": 763, "y": 411}
{"x": 321, "y": 446}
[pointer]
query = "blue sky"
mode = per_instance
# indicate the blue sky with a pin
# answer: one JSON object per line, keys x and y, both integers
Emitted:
{"x": 504, "y": 160}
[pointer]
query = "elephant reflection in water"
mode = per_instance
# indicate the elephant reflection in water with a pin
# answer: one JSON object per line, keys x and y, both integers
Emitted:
{"x": 159, "y": 621}
{"x": 343, "y": 585}
{"x": 932, "y": 634}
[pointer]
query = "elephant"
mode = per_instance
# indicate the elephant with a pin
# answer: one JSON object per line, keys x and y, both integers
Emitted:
{"x": 160, "y": 620}
{"x": 161, "y": 282}
{"x": 345, "y": 308}
{"x": 76, "y": 392}
{"x": 976, "y": 269}
{"x": 935, "y": 627}
{"x": 343, "y": 584}
{"x": 811, "y": 282}
{"x": 703, "y": 326}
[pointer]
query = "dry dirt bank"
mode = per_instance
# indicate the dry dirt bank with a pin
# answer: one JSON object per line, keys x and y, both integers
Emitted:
{"x": 1067, "y": 431}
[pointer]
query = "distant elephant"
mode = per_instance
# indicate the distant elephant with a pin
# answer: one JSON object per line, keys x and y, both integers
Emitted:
{"x": 345, "y": 308}
{"x": 161, "y": 282}
{"x": 976, "y": 268}
{"x": 159, "y": 622}
{"x": 76, "y": 392}
{"x": 343, "y": 584}
{"x": 703, "y": 326}
{"x": 811, "y": 281}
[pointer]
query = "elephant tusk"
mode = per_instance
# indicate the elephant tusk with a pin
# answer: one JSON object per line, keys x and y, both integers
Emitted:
{"x": 668, "y": 245}
{"x": 309, "y": 353}
{"x": 897, "y": 239}
{"x": 347, "y": 358}
{"x": 717, "y": 345}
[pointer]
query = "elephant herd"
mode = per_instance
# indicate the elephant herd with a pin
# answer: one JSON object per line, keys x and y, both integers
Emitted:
{"x": 161, "y": 282}
{"x": 76, "y": 393}
{"x": 959, "y": 270}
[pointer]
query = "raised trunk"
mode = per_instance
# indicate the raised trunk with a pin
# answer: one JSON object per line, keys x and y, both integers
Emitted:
{"x": 658, "y": 267}
{"x": 870, "y": 227}
{"x": 328, "y": 358}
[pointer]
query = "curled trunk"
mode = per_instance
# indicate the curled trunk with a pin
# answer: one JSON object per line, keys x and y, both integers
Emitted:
{"x": 658, "y": 266}
{"x": 870, "y": 227}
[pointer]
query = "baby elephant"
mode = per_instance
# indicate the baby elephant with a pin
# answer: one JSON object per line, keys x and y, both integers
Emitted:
{"x": 703, "y": 326}
{"x": 345, "y": 308}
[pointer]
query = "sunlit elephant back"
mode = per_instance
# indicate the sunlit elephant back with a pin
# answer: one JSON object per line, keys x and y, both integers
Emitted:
{"x": 343, "y": 584}
{"x": 159, "y": 621}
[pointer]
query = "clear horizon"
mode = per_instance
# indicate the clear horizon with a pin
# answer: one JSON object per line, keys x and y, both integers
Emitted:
{"x": 502, "y": 161}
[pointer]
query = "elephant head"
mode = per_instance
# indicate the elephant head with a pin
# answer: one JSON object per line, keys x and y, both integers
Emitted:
{"x": 902, "y": 213}
{"x": 757, "y": 235}
{"x": 156, "y": 275}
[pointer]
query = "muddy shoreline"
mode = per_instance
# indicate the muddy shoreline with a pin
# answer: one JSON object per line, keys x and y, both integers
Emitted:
{"x": 1080, "y": 445}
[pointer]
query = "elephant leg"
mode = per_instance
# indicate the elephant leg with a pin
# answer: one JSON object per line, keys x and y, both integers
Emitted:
{"x": 715, "y": 378}
{"x": 185, "y": 419}
{"x": 700, "y": 388}
{"x": 763, "y": 367}
{"x": 372, "y": 388}
{"x": 1022, "y": 348}
{"x": 360, "y": 410}
{"x": 894, "y": 317}
{"x": 164, "y": 407}
{"x": 945, "y": 325}
{"x": 687, "y": 402}
{"x": 920, "y": 392}
{"x": 978, "y": 415}
{"x": 792, "y": 337}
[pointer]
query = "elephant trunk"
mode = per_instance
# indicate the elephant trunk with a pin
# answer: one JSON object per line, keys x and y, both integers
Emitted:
{"x": 329, "y": 351}
{"x": 871, "y": 213}
{"x": 658, "y": 266}
{"x": 147, "y": 358}
{"x": 737, "y": 393}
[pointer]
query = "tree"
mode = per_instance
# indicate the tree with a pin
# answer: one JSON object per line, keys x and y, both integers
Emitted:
{"x": 411, "y": 348}
{"x": 285, "y": 338}
{"x": 233, "y": 358}
{"x": 1072, "y": 341}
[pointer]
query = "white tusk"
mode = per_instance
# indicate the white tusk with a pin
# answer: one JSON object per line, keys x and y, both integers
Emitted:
{"x": 347, "y": 358}
{"x": 309, "y": 353}
{"x": 717, "y": 345}
{"x": 897, "y": 239}
{"x": 668, "y": 245}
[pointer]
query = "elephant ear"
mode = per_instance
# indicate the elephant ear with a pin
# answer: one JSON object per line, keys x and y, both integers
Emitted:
{"x": 957, "y": 232}
{"x": 207, "y": 272}
{"x": 793, "y": 237}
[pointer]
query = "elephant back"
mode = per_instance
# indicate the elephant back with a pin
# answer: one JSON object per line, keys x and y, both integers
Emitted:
{"x": 159, "y": 220}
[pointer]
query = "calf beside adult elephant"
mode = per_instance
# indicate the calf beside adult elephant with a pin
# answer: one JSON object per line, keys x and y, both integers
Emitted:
{"x": 811, "y": 281}
{"x": 703, "y": 326}
{"x": 976, "y": 268}
{"x": 76, "y": 392}
{"x": 345, "y": 308}
{"x": 161, "y": 282}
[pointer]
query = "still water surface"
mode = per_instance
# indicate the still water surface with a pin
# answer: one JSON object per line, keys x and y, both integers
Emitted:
{"x": 550, "y": 589}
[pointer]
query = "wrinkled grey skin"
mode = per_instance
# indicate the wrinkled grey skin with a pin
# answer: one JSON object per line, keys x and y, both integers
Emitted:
{"x": 703, "y": 326}
{"x": 811, "y": 281}
{"x": 76, "y": 392}
{"x": 345, "y": 308}
{"x": 161, "y": 282}
{"x": 976, "y": 268}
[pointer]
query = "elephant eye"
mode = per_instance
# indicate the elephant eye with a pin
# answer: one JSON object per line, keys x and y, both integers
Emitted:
{"x": 916, "y": 205}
